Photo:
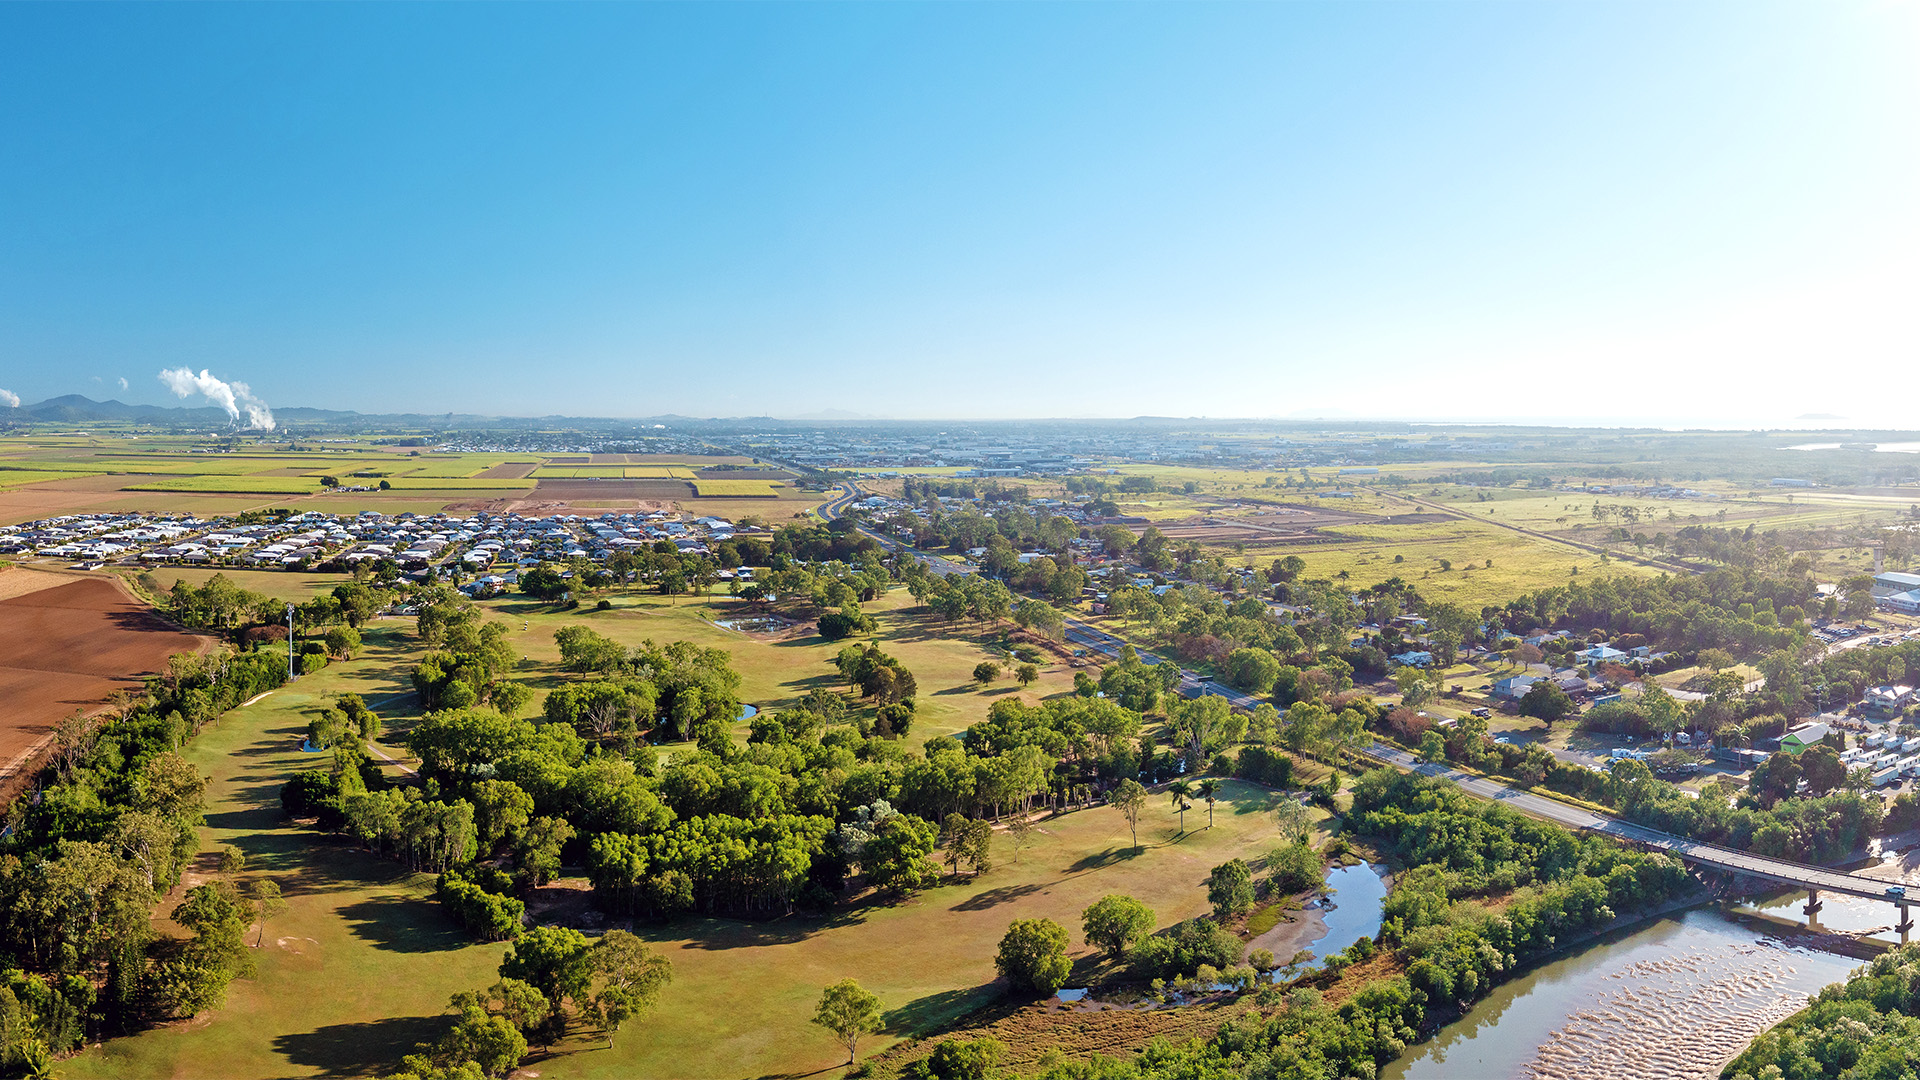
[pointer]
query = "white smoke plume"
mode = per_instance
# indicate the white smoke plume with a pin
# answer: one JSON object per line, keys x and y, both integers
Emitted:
{"x": 10, "y": 399}
{"x": 231, "y": 396}
{"x": 123, "y": 383}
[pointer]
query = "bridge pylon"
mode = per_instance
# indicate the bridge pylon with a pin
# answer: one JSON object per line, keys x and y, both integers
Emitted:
{"x": 1905, "y": 924}
{"x": 1813, "y": 903}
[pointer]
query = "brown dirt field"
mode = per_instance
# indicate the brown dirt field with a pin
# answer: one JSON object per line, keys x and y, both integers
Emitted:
{"x": 66, "y": 648}
{"x": 609, "y": 492}
{"x": 40, "y": 501}
{"x": 687, "y": 459}
{"x": 19, "y": 581}
{"x": 744, "y": 474}
{"x": 532, "y": 508}
{"x": 512, "y": 470}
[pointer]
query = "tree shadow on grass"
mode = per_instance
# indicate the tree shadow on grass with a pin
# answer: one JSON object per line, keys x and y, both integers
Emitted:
{"x": 1100, "y": 860}
{"x": 403, "y": 925}
{"x": 362, "y": 1049}
{"x": 936, "y": 1012}
{"x": 1006, "y": 894}
{"x": 719, "y": 935}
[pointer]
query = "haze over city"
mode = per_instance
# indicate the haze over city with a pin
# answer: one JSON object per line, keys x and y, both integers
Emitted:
{"x": 1686, "y": 213}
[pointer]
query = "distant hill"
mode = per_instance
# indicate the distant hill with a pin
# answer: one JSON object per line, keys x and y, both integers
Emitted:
{"x": 73, "y": 408}
{"x": 78, "y": 409}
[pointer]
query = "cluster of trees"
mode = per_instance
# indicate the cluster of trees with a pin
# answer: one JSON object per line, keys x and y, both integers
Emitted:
{"x": 957, "y": 597}
{"x": 1008, "y": 523}
{"x": 468, "y": 665}
{"x": 880, "y": 677}
{"x": 1453, "y": 952}
{"x": 784, "y": 819}
{"x": 678, "y": 690}
{"x": 83, "y": 865}
{"x": 1866, "y": 1028}
{"x": 332, "y": 621}
{"x": 1741, "y": 610}
{"x": 552, "y": 978}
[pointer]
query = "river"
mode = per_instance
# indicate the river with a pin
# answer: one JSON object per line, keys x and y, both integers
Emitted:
{"x": 1672, "y": 999}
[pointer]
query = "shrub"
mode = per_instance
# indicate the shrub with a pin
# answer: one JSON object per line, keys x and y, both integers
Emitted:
{"x": 1264, "y": 765}
{"x": 490, "y": 916}
{"x": 1033, "y": 956}
{"x": 1178, "y": 951}
{"x": 1296, "y": 868}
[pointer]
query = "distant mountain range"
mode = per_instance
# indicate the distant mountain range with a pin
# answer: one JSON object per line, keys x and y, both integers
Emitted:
{"x": 79, "y": 409}
{"x": 71, "y": 408}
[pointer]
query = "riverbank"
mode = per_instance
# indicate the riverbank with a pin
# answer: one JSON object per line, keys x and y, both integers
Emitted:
{"x": 1666, "y": 997}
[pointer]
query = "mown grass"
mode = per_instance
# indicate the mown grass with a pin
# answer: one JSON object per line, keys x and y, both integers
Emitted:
{"x": 360, "y": 966}
{"x": 742, "y": 993}
{"x": 777, "y": 673}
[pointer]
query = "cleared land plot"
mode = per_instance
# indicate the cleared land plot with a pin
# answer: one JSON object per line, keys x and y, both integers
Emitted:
{"x": 742, "y": 474}
{"x": 278, "y": 584}
{"x": 67, "y": 647}
{"x": 578, "y": 472}
{"x": 512, "y": 470}
{"x": 435, "y": 483}
{"x": 246, "y": 485}
{"x": 736, "y": 489}
{"x": 610, "y": 492}
{"x": 1521, "y": 563}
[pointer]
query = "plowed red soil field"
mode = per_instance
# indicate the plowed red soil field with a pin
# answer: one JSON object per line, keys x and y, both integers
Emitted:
{"x": 67, "y": 647}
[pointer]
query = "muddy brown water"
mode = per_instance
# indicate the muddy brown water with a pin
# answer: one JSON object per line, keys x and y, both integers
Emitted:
{"x": 1673, "y": 999}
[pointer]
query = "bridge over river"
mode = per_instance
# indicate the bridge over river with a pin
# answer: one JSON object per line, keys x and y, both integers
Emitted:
{"x": 1814, "y": 879}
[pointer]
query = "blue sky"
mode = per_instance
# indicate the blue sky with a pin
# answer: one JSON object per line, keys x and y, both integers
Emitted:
{"x": 1678, "y": 211}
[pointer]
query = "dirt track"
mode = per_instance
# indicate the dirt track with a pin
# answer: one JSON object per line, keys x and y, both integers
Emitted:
{"x": 65, "y": 648}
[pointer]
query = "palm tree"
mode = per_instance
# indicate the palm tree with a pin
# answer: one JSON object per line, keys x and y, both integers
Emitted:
{"x": 1210, "y": 791}
{"x": 1181, "y": 791}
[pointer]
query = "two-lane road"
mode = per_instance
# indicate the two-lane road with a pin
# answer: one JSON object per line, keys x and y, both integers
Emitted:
{"x": 1795, "y": 874}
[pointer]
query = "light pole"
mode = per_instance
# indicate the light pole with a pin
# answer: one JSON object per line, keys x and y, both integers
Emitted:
{"x": 290, "y": 675}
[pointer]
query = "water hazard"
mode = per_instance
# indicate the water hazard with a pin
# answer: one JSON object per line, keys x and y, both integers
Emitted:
{"x": 1674, "y": 999}
{"x": 1355, "y": 910}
